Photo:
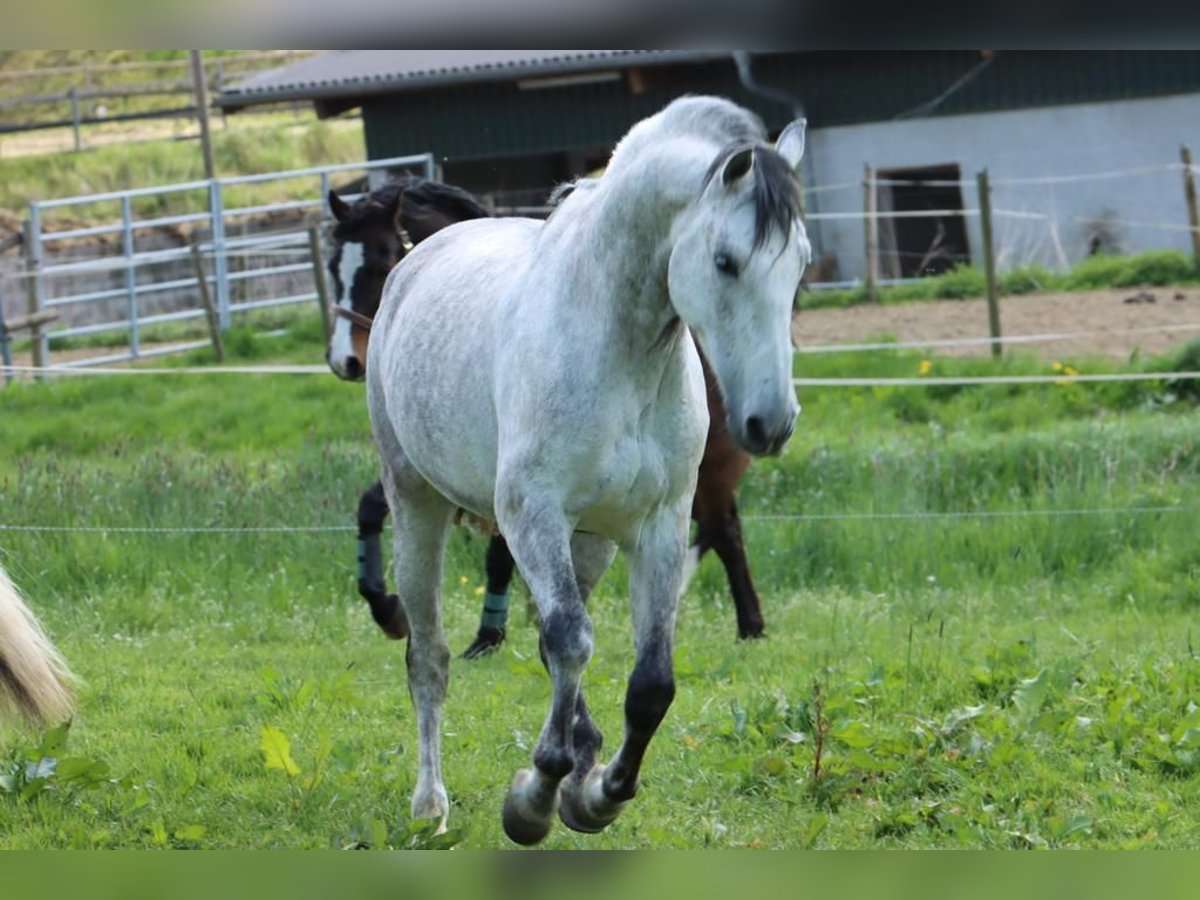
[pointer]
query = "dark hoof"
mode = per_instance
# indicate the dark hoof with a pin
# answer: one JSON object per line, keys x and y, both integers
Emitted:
{"x": 752, "y": 634}
{"x": 488, "y": 640}
{"x": 573, "y": 811}
{"x": 570, "y": 817}
{"x": 389, "y": 616}
{"x": 518, "y": 825}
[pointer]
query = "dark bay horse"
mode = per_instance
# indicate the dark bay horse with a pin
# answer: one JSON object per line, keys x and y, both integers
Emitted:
{"x": 370, "y": 237}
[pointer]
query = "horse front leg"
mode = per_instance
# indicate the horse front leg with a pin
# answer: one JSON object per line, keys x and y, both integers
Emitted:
{"x": 372, "y": 586}
{"x": 540, "y": 540}
{"x": 656, "y": 566}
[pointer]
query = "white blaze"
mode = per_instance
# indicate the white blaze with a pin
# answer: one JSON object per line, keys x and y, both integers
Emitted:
{"x": 340, "y": 346}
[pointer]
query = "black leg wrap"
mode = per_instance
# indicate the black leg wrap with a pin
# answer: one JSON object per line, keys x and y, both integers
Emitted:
{"x": 372, "y": 586}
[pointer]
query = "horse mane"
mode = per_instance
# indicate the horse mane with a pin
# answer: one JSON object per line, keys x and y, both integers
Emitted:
{"x": 776, "y": 192}
{"x": 418, "y": 195}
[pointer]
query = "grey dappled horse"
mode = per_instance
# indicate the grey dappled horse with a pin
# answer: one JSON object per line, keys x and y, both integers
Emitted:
{"x": 544, "y": 375}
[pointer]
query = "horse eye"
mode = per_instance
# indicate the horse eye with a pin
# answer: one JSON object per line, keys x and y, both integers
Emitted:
{"x": 725, "y": 265}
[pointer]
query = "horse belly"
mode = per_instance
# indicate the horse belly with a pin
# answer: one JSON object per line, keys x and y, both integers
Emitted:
{"x": 438, "y": 395}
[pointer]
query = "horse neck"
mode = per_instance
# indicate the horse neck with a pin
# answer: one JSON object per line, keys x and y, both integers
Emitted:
{"x": 626, "y": 231}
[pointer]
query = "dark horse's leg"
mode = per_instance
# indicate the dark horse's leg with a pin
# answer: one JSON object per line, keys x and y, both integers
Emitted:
{"x": 492, "y": 622}
{"x": 715, "y": 512}
{"x": 721, "y": 530}
{"x": 385, "y": 607}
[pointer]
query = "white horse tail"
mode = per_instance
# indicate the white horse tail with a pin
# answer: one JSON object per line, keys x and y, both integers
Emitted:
{"x": 33, "y": 675}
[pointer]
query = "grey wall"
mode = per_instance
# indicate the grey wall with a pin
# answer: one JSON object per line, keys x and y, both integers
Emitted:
{"x": 1051, "y": 141}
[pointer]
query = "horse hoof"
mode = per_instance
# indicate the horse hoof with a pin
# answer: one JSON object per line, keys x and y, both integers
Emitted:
{"x": 389, "y": 616}
{"x": 752, "y": 634}
{"x": 488, "y": 640}
{"x": 574, "y": 810}
{"x": 522, "y": 825}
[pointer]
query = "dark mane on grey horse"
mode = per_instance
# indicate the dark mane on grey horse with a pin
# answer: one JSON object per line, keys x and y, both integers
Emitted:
{"x": 776, "y": 191}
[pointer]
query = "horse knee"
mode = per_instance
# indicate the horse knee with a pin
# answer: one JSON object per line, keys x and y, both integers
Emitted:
{"x": 567, "y": 639}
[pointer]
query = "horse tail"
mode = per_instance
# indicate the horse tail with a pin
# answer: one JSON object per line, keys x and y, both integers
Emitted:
{"x": 33, "y": 675}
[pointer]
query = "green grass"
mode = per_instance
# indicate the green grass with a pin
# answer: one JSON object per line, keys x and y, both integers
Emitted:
{"x": 1019, "y": 681}
{"x": 1153, "y": 268}
{"x": 253, "y": 145}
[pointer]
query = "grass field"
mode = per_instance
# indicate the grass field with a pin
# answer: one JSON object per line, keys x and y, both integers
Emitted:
{"x": 1009, "y": 663}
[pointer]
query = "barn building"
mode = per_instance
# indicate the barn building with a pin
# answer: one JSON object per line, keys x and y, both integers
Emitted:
{"x": 1082, "y": 147}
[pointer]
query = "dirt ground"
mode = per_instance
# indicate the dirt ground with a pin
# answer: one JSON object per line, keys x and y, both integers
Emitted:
{"x": 1105, "y": 323}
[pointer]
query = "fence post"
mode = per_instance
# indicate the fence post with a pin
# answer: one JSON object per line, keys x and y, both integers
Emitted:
{"x": 216, "y": 204}
{"x": 1189, "y": 194}
{"x": 33, "y": 285}
{"x": 131, "y": 302}
{"x": 318, "y": 263}
{"x": 73, "y": 93}
{"x": 870, "y": 235}
{"x": 5, "y": 345}
{"x": 989, "y": 259}
{"x": 210, "y": 311}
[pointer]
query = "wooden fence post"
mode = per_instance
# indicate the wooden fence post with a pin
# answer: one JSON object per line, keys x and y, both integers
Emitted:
{"x": 210, "y": 310}
{"x": 1189, "y": 195}
{"x": 318, "y": 263}
{"x": 32, "y": 265}
{"x": 989, "y": 259}
{"x": 76, "y": 117}
{"x": 870, "y": 235}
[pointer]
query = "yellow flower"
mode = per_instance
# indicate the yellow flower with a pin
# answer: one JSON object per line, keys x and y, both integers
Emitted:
{"x": 1066, "y": 370}
{"x": 1056, "y": 366}
{"x": 463, "y": 579}
{"x": 925, "y": 367}
{"x": 479, "y": 591}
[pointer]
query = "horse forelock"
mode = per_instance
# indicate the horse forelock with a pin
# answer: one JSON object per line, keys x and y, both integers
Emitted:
{"x": 775, "y": 191}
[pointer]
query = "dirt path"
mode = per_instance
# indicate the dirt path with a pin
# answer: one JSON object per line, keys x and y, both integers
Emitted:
{"x": 1110, "y": 322}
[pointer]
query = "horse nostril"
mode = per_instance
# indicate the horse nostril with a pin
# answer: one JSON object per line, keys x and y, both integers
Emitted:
{"x": 354, "y": 368}
{"x": 756, "y": 431}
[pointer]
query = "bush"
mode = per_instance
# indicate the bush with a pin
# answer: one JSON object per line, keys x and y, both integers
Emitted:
{"x": 1155, "y": 267}
{"x": 1029, "y": 280}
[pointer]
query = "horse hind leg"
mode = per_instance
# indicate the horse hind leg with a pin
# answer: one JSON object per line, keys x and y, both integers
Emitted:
{"x": 422, "y": 522}
{"x": 726, "y": 539}
{"x": 372, "y": 587}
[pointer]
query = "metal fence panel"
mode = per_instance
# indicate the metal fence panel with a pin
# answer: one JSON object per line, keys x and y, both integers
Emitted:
{"x": 135, "y": 268}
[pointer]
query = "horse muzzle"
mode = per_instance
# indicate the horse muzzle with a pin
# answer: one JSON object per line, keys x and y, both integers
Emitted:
{"x": 763, "y": 432}
{"x": 347, "y": 368}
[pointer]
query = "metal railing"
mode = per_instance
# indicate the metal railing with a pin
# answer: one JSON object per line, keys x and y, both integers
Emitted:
{"x": 46, "y": 290}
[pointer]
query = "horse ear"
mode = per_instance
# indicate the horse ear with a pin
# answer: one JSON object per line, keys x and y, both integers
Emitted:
{"x": 791, "y": 142}
{"x": 339, "y": 207}
{"x": 738, "y": 165}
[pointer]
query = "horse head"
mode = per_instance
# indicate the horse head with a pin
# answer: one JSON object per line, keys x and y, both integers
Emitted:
{"x": 738, "y": 253}
{"x": 369, "y": 239}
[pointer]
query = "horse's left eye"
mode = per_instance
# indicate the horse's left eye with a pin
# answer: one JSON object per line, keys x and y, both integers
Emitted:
{"x": 725, "y": 265}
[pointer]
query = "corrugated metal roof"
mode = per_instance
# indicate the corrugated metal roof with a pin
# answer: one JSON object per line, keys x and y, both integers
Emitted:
{"x": 355, "y": 73}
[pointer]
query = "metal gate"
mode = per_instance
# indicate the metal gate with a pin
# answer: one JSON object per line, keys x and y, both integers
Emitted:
{"x": 137, "y": 278}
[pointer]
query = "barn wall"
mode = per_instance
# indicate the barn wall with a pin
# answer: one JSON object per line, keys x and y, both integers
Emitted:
{"x": 1060, "y": 140}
